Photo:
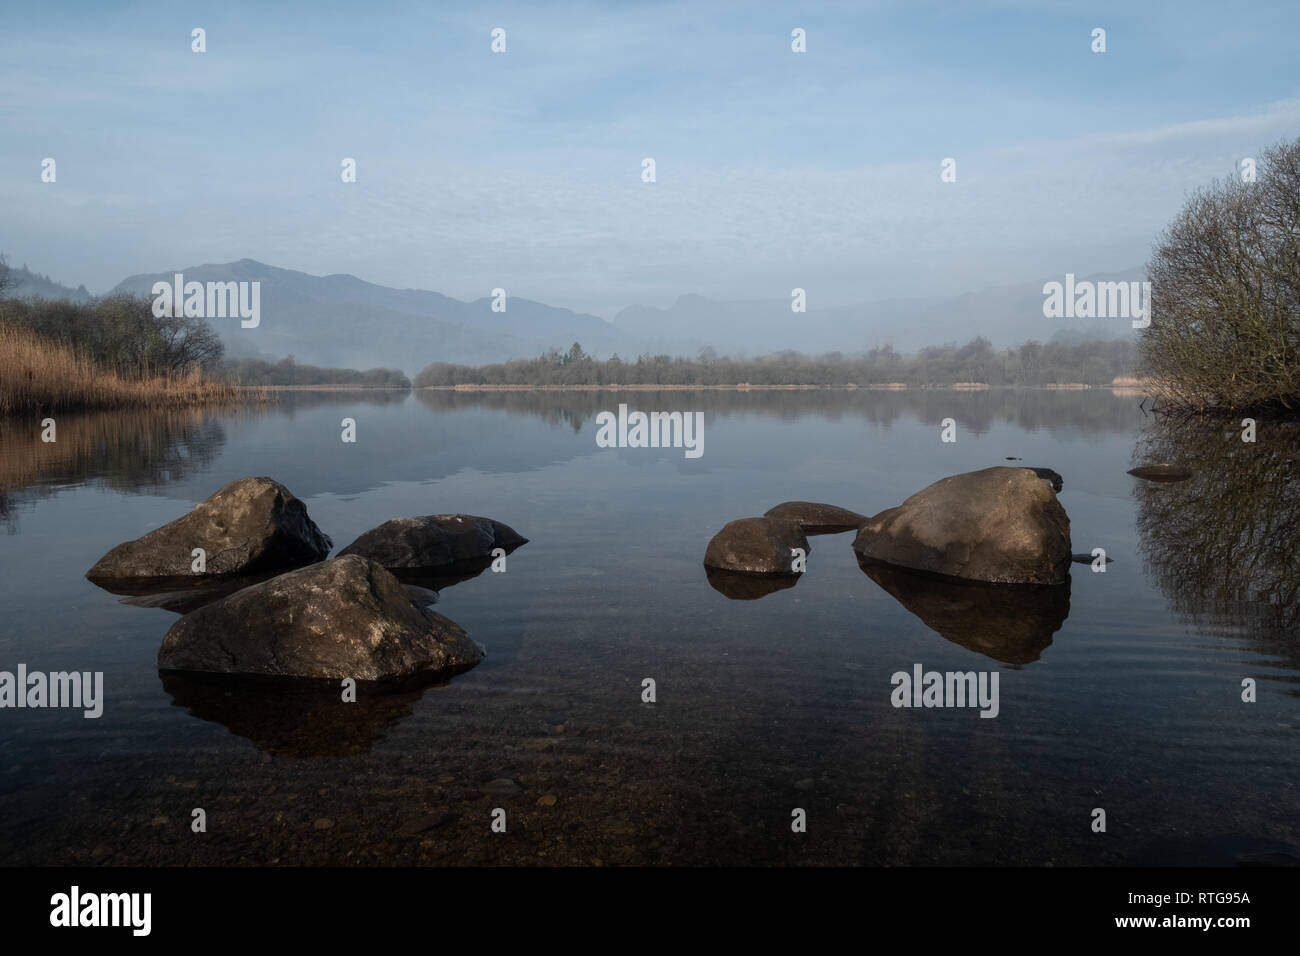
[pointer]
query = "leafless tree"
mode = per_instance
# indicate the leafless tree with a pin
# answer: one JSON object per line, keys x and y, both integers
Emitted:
{"x": 1225, "y": 293}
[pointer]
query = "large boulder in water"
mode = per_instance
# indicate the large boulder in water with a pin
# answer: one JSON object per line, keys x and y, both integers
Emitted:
{"x": 815, "y": 518}
{"x": 756, "y": 546}
{"x": 1002, "y": 525}
{"x": 435, "y": 543}
{"x": 251, "y": 526}
{"x": 342, "y": 618}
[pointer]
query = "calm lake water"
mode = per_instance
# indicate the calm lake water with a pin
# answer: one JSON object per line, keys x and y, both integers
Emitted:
{"x": 1127, "y": 696}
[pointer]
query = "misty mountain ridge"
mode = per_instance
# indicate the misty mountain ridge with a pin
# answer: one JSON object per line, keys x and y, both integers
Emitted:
{"x": 1007, "y": 316}
{"x": 341, "y": 320}
{"x": 33, "y": 285}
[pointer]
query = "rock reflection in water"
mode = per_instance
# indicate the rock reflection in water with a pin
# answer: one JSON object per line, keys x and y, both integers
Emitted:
{"x": 182, "y": 600}
{"x": 748, "y": 587}
{"x": 179, "y": 595}
{"x": 294, "y": 717}
{"x": 439, "y": 579}
{"x": 1012, "y": 624}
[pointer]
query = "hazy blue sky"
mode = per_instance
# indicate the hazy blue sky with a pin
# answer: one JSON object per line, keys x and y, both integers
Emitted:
{"x": 522, "y": 169}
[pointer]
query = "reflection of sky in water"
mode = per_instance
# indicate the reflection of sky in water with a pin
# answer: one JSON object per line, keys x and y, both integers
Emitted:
{"x": 1127, "y": 706}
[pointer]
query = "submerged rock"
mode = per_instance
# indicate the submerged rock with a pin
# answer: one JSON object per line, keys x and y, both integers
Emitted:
{"x": 343, "y": 618}
{"x": 1161, "y": 472}
{"x": 251, "y": 526}
{"x": 435, "y": 542}
{"x": 756, "y": 546}
{"x": 1000, "y": 525}
{"x": 816, "y": 518}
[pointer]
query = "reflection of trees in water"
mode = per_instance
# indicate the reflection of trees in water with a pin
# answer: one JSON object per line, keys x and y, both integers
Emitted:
{"x": 1223, "y": 544}
{"x": 288, "y": 401}
{"x": 1091, "y": 410}
{"x": 121, "y": 450}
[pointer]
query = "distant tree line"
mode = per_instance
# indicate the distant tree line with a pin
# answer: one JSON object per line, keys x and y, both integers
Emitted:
{"x": 287, "y": 371}
{"x": 120, "y": 333}
{"x": 1034, "y": 363}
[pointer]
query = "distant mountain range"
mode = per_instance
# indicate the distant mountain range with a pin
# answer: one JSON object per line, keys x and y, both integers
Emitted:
{"x": 340, "y": 320}
{"x": 343, "y": 321}
{"x": 1007, "y": 316}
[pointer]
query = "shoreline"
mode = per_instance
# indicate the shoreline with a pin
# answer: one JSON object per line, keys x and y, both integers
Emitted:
{"x": 324, "y": 388}
{"x": 891, "y": 387}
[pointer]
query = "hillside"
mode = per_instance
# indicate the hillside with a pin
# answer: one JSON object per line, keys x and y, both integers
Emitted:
{"x": 341, "y": 320}
{"x": 1006, "y": 316}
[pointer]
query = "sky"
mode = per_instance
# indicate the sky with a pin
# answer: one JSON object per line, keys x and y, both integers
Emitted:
{"x": 523, "y": 170}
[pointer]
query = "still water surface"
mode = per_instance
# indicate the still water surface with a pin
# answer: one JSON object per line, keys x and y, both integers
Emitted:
{"x": 1126, "y": 698}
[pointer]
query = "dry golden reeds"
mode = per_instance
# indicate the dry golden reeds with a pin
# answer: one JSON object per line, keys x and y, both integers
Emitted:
{"x": 37, "y": 374}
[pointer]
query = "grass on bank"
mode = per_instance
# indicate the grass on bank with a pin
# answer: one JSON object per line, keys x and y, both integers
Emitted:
{"x": 38, "y": 374}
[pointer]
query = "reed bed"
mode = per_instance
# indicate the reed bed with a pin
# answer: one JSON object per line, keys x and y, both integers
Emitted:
{"x": 41, "y": 375}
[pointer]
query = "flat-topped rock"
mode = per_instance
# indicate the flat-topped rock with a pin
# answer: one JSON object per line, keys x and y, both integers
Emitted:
{"x": 435, "y": 542}
{"x": 816, "y": 518}
{"x": 347, "y": 617}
